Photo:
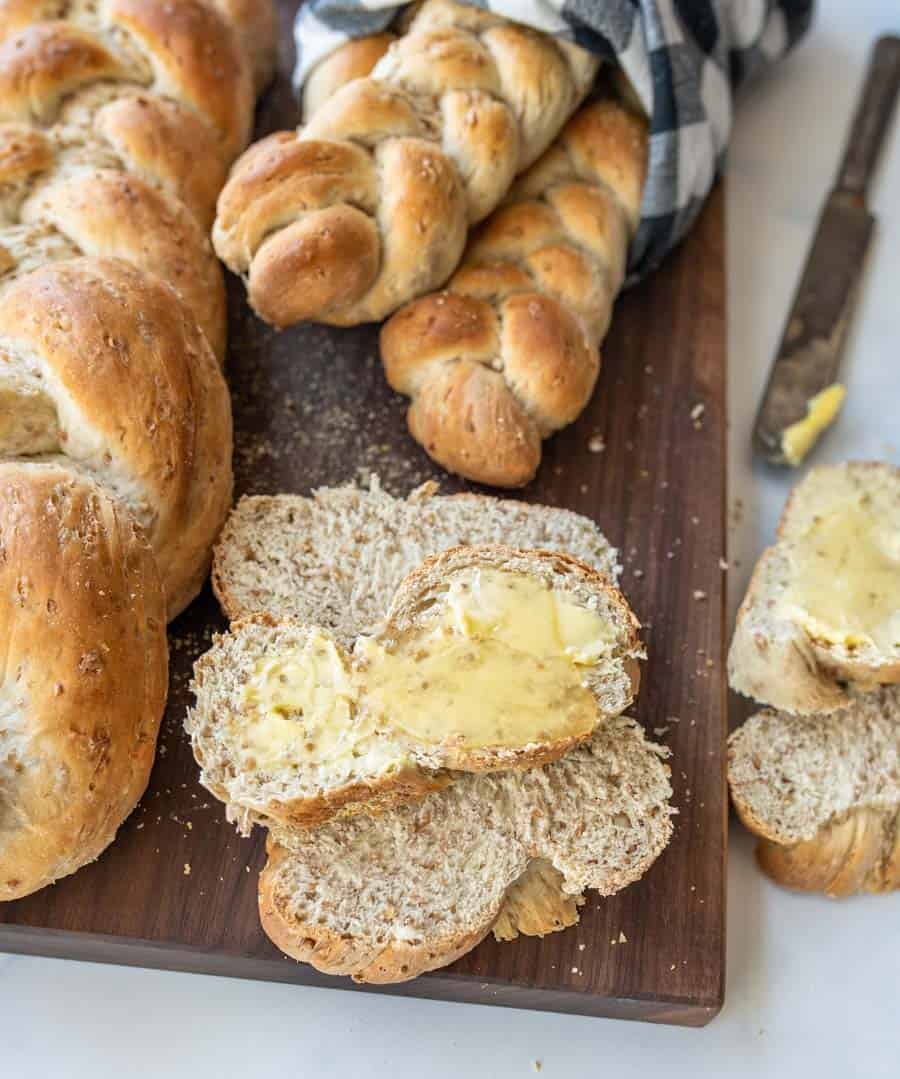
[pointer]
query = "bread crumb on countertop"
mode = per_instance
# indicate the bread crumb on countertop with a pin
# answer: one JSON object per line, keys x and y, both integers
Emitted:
{"x": 187, "y": 869}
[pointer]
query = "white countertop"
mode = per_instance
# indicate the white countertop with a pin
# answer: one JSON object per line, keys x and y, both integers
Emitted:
{"x": 812, "y": 985}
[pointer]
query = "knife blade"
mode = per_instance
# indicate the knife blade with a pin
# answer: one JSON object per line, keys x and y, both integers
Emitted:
{"x": 802, "y": 396}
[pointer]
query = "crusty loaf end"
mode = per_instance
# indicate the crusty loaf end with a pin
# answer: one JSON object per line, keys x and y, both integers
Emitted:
{"x": 823, "y": 794}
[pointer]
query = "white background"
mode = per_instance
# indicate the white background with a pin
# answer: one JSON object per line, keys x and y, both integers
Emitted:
{"x": 812, "y": 985}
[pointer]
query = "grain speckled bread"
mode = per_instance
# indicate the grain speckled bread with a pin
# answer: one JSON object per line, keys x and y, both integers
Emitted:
{"x": 509, "y": 353}
{"x": 368, "y": 205}
{"x": 151, "y": 422}
{"x": 118, "y": 121}
{"x": 387, "y": 898}
{"x": 381, "y": 762}
{"x": 335, "y": 559}
{"x": 823, "y": 794}
{"x": 838, "y": 541}
{"x": 84, "y": 673}
{"x": 117, "y": 125}
{"x": 352, "y": 60}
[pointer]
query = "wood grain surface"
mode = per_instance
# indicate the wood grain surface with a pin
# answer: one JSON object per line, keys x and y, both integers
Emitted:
{"x": 647, "y": 461}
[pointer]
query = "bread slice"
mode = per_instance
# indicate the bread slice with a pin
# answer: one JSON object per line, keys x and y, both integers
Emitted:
{"x": 823, "y": 606}
{"x": 336, "y": 559}
{"x": 823, "y": 793}
{"x": 490, "y": 658}
{"x": 387, "y": 898}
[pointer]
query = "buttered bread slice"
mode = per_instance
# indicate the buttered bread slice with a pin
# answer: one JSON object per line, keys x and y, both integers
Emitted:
{"x": 386, "y": 898}
{"x": 490, "y": 658}
{"x": 823, "y": 606}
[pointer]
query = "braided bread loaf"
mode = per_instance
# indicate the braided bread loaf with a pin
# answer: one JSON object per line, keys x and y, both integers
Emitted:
{"x": 118, "y": 119}
{"x": 83, "y": 626}
{"x": 508, "y": 353}
{"x": 369, "y": 204}
{"x": 117, "y": 124}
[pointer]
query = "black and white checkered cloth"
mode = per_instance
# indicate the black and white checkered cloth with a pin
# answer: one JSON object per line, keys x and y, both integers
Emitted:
{"x": 684, "y": 59}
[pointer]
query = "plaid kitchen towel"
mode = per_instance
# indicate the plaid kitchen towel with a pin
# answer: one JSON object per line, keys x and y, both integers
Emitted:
{"x": 684, "y": 59}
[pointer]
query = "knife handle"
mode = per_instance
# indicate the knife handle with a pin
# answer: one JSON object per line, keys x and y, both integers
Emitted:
{"x": 873, "y": 114}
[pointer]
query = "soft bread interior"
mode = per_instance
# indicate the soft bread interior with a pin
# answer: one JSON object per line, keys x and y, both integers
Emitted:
{"x": 385, "y": 898}
{"x": 488, "y": 655}
{"x": 335, "y": 559}
{"x": 791, "y": 776}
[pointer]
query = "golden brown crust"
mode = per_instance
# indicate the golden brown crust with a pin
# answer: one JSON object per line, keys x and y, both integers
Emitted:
{"x": 353, "y": 60}
{"x": 187, "y": 51}
{"x": 104, "y": 212}
{"x": 452, "y": 110}
{"x": 167, "y": 145}
{"x": 138, "y": 398}
{"x": 279, "y": 170}
{"x": 509, "y": 353}
{"x": 46, "y": 62}
{"x": 858, "y": 853}
{"x": 536, "y": 904}
{"x": 155, "y": 82}
{"x": 24, "y": 153}
{"x": 468, "y": 421}
{"x": 334, "y": 258}
{"x": 195, "y": 57}
{"x": 117, "y": 122}
{"x": 84, "y": 671}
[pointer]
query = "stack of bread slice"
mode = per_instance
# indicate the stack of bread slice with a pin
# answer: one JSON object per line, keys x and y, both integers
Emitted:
{"x": 817, "y": 774}
{"x": 423, "y": 700}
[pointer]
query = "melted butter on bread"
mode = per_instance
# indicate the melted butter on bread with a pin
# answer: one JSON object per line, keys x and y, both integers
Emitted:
{"x": 845, "y": 586}
{"x": 304, "y": 704}
{"x": 501, "y": 663}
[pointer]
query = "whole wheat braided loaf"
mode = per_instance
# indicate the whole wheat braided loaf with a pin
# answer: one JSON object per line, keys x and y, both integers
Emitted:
{"x": 509, "y": 352}
{"x": 118, "y": 120}
{"x": 368, "y": 205}
{"x": 117, "y": 123}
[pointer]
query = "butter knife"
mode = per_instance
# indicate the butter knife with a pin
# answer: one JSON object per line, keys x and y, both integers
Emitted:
{"x": 803, "y": 395}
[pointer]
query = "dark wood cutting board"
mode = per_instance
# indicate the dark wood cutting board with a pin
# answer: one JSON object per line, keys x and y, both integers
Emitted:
{"x": 177, "y": 890}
